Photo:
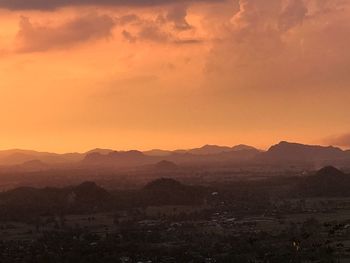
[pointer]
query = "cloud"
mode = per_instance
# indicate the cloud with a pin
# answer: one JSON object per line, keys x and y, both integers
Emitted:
{"x": 154, "y": 33}
{"x": 251, "y": 36}
{"x": 53, "y": 4}
{"x": 128, "y": 19}
{"x": 177, "y": 15}
{"x": 283, "y": 45}
{"x": 293, "y": 15}
{"x": 189, "y": 41}
{"x": 139, "y": 29}
{"x": 260, "y": 17}
{"x": 340, "y": 140}
{"x": 36, "y": 37}
{"x": 128, "y": 36}
{"x": 165, "y": 27}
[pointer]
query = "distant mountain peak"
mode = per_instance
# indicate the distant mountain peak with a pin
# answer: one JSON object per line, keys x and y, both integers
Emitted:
{"x": 329, "y": 171}
{"x": 100, "y": 150}
{"x": 243, "y": 147}
{"x": 90, "y": 192}
{"x": 328, "y": 181}
{"x": 297, "y": 151}
{"x": 296, "y": 144}
{"x": 209, "y": 149}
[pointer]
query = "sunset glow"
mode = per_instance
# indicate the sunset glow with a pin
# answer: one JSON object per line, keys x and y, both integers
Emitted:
{"x": 173, "y": 74}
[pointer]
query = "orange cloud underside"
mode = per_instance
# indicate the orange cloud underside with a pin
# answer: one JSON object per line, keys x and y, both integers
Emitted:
{"x": 174, "y": 76}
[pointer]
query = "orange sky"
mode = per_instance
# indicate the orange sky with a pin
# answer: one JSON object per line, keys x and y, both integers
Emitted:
{"x": 175, "y": 74}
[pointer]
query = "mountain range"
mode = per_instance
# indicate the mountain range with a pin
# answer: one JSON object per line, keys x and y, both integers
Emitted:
{"x": 281, "y": 153}
{"x": 19, "y": 156}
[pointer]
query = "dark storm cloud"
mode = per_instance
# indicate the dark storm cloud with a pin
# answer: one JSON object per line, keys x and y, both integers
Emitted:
{"x": 53, "y": 4}
{"x": 32, "y": 37}
{"x": 177, "y": 15}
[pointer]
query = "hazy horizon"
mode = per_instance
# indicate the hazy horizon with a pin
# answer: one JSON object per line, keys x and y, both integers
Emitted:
{"x": 166, "y": 149}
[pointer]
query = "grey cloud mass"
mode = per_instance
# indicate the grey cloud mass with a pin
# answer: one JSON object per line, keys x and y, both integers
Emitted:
{"x": 32, "y": 37}
{"x": 177, "y": 15}
{"x": 53, "y": 4}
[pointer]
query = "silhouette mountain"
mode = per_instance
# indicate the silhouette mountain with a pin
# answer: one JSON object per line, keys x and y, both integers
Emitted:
{"x": 25, "y": 201}
{"x": 108, "y": 156}
{"x": 328, "y": 181}
{"x": 243, "y": 147}
{"x": 118, "y": 159}
{"x": 99, "y": 150}
{"x": 329, "y": 172}
{"x": 286, "y": 151}
{"x": 280, "y": 154}
{"x": 26, "y": 167}
{"x": 209, "y": 149}
{"x": 17, "y": 156}
{"x": 88, "y": 193}
{"x": 215, "y": 149}
{"x": 165, "y": 166}
{"x": 206, "y": 154}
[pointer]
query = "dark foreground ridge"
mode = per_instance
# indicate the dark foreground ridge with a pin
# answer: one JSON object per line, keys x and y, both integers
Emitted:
{"x": 88, "y": 197}
{"x": 296, "y": 218}
{"x": 329, "y": 181}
